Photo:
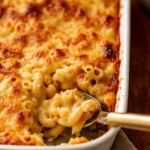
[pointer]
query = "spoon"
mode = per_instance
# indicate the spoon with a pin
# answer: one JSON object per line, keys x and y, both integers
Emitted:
{"x": 126, "y": 120}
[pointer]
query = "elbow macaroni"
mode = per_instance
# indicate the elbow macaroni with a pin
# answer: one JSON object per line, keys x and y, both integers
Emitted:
{"x": 67, "y": 109}
{"x": 48, "y": 50}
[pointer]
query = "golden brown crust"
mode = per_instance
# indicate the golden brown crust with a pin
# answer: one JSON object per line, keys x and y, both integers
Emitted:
{"x": 48, "y": 46}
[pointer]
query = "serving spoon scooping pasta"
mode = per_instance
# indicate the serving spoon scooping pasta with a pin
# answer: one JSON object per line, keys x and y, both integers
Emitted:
{"x": 125, "y": 120}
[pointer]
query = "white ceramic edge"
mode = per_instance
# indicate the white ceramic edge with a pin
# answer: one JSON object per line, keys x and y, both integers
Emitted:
{"x": 122, "y": 100}
{"x": 122, "y": 95}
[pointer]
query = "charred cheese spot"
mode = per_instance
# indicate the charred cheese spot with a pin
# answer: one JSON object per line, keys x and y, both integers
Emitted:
{"x": 109, "y": 20}
{"x": 16, "y": 88}
{"x": 2, "y": 9}
{"x": 20, "y": 40}
{"x": 13, "y": 79}
{"x": 94, "y": 35}
{"x": 82, "y": 57}
{"x": 10, "y": 53}
{"x": 61, "y": 5}
{"x": 20, "y": 118}
{"x": 17, "y": 64}
{"x": 80, "y": 13}
{"x": 32, "y": 10}
{"x": 107, "y": 46}
{"x": 109, "y": 52}
{"x": 60, "y": 52}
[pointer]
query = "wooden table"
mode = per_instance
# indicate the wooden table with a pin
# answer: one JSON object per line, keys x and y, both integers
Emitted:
{"x": 139, "y": 86}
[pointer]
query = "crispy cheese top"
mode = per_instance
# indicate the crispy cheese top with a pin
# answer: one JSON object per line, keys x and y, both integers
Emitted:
{"x": 48, "y": 46}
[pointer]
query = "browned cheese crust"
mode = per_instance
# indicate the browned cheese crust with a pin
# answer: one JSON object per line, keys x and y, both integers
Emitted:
{"x": 48, "y": 46}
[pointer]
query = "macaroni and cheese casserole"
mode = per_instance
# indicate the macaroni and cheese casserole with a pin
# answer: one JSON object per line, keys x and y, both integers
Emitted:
{"x": 50, "y": 50}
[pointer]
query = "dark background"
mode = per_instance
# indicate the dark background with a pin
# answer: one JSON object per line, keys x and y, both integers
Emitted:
{"x": 139, "y": 85}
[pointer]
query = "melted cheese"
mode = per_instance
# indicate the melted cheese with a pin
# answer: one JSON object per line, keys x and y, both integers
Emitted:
{"x": 50, "y": 46}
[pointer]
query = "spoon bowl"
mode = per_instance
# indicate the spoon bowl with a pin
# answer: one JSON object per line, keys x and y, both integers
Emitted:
{"x": 126, "y": 120}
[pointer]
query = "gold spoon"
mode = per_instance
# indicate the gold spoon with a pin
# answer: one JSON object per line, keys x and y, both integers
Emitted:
{"x": 126, "y": 120}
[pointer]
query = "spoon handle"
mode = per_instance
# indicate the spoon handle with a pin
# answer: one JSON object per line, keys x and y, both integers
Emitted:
{"x": 128, "y": 120}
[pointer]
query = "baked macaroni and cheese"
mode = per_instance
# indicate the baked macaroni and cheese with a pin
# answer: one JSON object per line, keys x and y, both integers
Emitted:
{"x": 49, "y": 50}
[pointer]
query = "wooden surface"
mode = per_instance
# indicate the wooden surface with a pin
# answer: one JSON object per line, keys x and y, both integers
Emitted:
{"x": 139, "y": 86}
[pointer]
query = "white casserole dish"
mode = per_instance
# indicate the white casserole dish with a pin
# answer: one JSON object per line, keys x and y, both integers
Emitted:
{"x": 104, "y": 142}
